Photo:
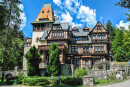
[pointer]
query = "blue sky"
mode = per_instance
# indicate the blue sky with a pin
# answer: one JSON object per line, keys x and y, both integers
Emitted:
{"x": 79, "y": 13}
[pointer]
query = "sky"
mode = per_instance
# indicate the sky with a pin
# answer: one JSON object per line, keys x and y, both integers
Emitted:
{"x": 79, "y": 13}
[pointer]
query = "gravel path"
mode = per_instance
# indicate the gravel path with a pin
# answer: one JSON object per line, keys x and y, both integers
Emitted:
{"x": 120, "y": 84}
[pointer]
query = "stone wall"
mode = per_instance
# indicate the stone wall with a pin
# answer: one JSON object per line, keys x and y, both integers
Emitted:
{"x": 99, "y": 74}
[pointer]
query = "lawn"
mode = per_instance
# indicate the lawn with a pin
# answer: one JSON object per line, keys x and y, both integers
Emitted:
{"x": 98, "y": 81}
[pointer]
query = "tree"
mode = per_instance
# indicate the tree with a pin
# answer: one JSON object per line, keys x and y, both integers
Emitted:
{"x": 110, "y": 28}
{"x": 124, "y": 3}
{"x": 11, "y": 23}
{"x": 126, "y": 39}
{"x": 33, "y": 57}
{"x": 54, "y": 66}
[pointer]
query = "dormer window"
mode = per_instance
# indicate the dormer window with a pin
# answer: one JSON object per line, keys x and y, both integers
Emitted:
{"x": 75, "y": 29}
{"x": 99, "y": 28}
{"x": 48, "y": 11}
{"x": 86, "y": 29}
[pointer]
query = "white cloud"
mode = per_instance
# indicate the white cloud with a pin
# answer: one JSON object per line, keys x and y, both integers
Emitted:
{"x": 69, "y": 3}
{"x": 22, "y": 17}
{"x": 125, "y": 25}
{"x": 57, "y": 2}
{"x": 66, "y": 17}
{"x": 88, "y": 15}
{"x": 76, "y": 25}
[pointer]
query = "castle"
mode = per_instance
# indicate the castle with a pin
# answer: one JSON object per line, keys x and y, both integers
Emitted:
{"x": 78, "y": 46}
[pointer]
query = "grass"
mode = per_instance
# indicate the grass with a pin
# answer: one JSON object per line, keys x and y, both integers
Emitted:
{"x": 98, "y": 81}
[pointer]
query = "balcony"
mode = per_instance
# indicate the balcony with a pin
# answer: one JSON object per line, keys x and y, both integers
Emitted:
{"x": 99, "y": 40}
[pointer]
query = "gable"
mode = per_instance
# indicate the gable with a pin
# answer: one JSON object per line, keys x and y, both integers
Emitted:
{"x": 99, "y": 28}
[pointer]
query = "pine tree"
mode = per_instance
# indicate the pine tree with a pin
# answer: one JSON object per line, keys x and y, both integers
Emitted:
{"x": 110, "y": 28}
{"x": 116, "y": 45}
{"x": 33, "y": 57}
{"x": 9, "y": 38}
{"x": 54, "y": 66}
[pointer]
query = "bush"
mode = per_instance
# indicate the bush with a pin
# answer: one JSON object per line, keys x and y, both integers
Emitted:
{"x": 112, "y": 77}
{"x": 20, "y": 78}
{"x": 35, "y": 81}
{"x": 71, "y": 81}
{"x": 79, "y": 72}
{"x": 10, "y": 81}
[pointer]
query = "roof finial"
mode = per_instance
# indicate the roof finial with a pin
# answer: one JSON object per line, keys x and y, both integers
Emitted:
{"x": 104, "y": 23}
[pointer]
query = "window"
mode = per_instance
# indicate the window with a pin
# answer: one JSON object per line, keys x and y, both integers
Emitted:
{"x": 102, "y": 48}
{"x": 86, "y": 30}
{"x": 93, "y": 36}
{"x": 74, "y": 48}
{"x": 53, "y": 34}
{"x": 62, "y": 34}
{"x": 84, "y": 38}
{"x": 87, "y": 38}
{"x": 85, "y": 48}
{"x": 103, "y": 36}
{"x": 86, "y": 61}
{"x": 99, "y": 36}
{"x": 98, "y": 48}
{"x": 76, "y": 59}
{"x": 76, "y": 38}
{"x": 48, "y": 11}
{"x": 95, "y": 48}
{"x": 37, "y": 39}
{"x": 43, "y": 19}
{"x": 99, "y": 28}
{"x": 57, "y": 26}
{"x": 42, "y": 11}
{"x": 74, "y": 30}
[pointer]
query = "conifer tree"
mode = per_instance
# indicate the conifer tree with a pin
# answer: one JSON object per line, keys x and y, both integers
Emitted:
{"x": 54, "y": 66}
{"x": 33, "y": 57}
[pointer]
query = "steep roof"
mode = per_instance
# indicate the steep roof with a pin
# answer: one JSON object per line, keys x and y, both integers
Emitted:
{"x": 47, "y": 6}
{"x": 81, "y": 32}
{"x": 56, "y": 21}
{"x": 65, "y": 26}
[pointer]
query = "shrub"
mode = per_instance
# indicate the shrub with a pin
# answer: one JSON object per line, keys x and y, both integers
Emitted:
{"x": 10, "y": 81}
{"x": 112, "y": 77}
{"x": 71, "y": 81}
{"x": 20, "y": 78}
{"x": 35, "y": 81}
{"x": 79, "y": 72}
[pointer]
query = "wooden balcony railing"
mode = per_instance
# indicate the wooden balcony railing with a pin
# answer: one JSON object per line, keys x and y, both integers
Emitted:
{"x": 99, "y": 41}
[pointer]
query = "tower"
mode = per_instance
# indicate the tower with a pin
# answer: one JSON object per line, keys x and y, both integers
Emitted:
{"x": 43, "y": 21}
